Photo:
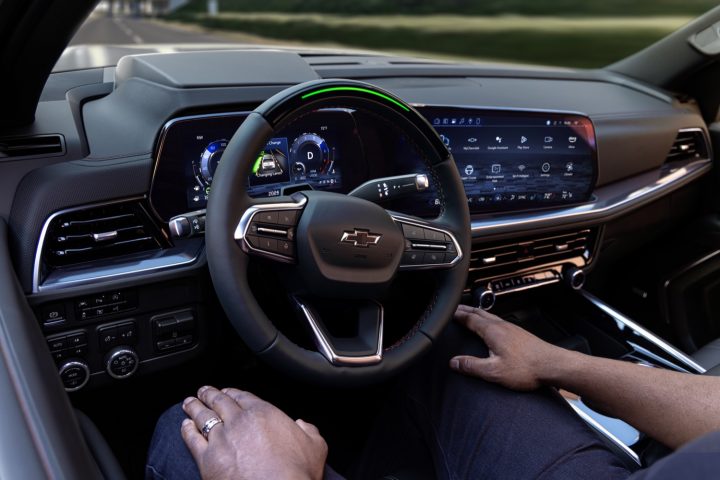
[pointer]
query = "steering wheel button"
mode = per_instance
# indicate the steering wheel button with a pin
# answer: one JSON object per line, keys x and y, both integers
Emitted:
{"x": 449, "y": 257}
{"x": 267, "y": 244}
{"x": 268, "y": 217}
{"x": 434, "y": 236}
{"x": 253, "y": 229}
{"x": 412, "y": 258}
{"x": 433, "y": 258}
{"x": 253, "y": 240}
{"x": 413, "y": 232}
{"x": 287, "y": 217}
{"x": 285, "y": 248}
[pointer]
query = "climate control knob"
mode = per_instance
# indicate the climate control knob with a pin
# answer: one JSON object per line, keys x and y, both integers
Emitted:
{"x": 484, "y": 298}
{"x": 121, "y": 362}
{"x": 74, "y": 374}
{"x": 574, "y": 277}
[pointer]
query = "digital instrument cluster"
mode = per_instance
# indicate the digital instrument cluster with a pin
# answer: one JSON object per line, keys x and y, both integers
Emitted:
{"x": 508, "y": 160}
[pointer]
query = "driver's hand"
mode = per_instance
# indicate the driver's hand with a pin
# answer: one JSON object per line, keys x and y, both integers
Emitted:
{"x": 517, "y": 360}
{"x": 255, "y": 441}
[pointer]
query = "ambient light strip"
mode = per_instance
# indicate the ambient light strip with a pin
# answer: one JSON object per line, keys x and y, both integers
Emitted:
{"x": 355, "y": 89}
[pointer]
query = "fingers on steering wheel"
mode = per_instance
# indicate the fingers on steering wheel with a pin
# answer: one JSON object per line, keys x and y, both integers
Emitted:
{"x": 199, "y": 413}
{"x": 219, "y": 402}
{"x": 242, "y": 398}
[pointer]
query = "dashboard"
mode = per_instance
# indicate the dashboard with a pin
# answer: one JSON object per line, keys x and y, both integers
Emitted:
{"x": 557, "y": 167}
{"x": 508, "y": 160}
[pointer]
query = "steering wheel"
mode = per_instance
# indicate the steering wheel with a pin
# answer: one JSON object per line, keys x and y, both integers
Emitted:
{"x": 335, "y": 246}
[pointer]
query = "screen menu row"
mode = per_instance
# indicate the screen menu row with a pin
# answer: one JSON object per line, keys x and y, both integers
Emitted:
{"x": 519, "y": 160}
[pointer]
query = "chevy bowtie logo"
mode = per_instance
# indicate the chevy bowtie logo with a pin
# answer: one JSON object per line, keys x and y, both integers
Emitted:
{"x": 360, "y": 238}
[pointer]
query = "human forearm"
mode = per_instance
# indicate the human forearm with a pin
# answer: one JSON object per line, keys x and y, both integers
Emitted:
{"x": 669, "y": 406}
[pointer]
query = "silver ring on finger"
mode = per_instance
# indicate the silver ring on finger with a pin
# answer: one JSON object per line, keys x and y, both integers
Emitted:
{"x": 209, "y": 425}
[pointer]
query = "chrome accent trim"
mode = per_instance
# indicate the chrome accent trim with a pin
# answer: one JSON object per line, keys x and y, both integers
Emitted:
{"x": 422, "y": 182}
{"x": 172, "y": 258}
{"x": 400, "y": 219}
{"x": 604, "y": 431}
{"x": 174, "y": 225}
{"x": 117, "y": 352}
{"x": 429, "y": 246}
{"x": 161, "y": 143}
{"x": 521, "y": 288}
{"x": 97, "y": 273}
{"x": 246, "y": 220}
{"x": 637, "y": 349}
{"x": 75, "y": 363}
{"x": 484, "y": 294}
{"x": 642, "y": 332}
{"x": 274, "y": 231}
{"x": 326, "y": 349}
{"x": 101, "y": 237}
{"x": 604, "y": 205}
{"x": 372, "y": 238}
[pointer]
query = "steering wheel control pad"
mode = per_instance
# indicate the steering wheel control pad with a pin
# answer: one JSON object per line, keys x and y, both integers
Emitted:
{"x": 348, "y": 244}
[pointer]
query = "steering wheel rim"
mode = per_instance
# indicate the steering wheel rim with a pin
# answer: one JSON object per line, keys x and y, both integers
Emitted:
{"x": 228, "y": 204}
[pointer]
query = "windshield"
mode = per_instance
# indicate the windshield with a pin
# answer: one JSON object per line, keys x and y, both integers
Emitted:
{"x": 565, "y": 33}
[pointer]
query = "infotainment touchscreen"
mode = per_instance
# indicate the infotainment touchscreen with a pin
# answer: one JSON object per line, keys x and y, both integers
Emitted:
{"x": 512, "y": 160}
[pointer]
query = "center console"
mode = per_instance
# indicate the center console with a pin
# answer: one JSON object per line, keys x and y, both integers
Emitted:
{"x": 578, "y": 320}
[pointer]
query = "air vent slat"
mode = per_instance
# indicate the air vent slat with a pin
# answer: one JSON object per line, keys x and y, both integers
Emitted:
{"x": 688, "y": 145}
{"x": 502, "y": 258}
{"x": 99, "y": 233}
{"x": 47, "y": 145}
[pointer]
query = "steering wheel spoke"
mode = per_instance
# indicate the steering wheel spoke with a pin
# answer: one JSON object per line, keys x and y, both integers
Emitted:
{"x": 428, "y": 245}
{"x": 363, "y": 348}
{"x": 268, "y": 229}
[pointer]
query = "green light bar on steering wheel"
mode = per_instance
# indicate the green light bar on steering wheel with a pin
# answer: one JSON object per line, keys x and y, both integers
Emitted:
{"x": 356, "y": 89}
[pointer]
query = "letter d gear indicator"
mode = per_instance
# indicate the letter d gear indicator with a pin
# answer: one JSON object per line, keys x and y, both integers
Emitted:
{"x": 311, "y": 157}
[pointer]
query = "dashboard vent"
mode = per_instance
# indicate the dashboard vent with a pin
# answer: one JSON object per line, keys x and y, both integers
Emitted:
{"x": 502, "y": 258}
{"x": 46, "y": 145}
{"x": 688, "y": 145}
{"x": 99, "y": 233}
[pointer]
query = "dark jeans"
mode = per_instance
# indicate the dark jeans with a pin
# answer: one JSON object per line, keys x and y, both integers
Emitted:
{"x": 452, "y": 427}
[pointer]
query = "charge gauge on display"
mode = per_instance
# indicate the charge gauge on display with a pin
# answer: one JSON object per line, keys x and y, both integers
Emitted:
{"x": 204, "y": 168}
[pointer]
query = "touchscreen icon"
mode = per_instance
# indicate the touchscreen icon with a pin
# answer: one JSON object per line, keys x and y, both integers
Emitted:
{"x": 545, "y": 167}
{"x": 469, "y": 169}
{"x": 572, "y": 139}
{"x": 548, "y": 139}
{"x": 569, "y": 167}
{"x": 523, "y": 139}
{"x": 495, "y": 168}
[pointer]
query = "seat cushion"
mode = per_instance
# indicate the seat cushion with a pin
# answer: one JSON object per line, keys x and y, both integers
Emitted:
{"x": 709, "y": 355}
